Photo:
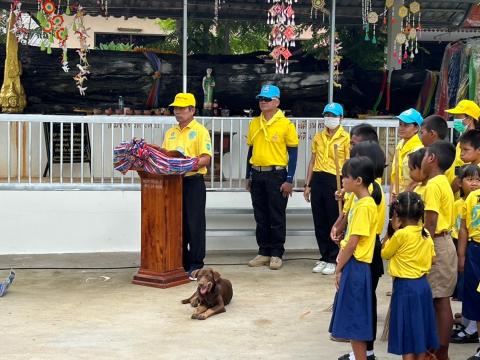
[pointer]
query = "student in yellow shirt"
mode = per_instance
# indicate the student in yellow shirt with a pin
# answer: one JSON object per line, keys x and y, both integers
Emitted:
{"x": 374, "y": 152}
{"x": 271, "y": 163}
{"x": 469, "y": 259}
{"x": 439, "y": 219}
{"x": 321, "y": 183}
{"x": 352, "y": 308}
{"x": 469, "y": 181}
{"x": 411, "y": 252}
{"x": 416, "y": 174}
{"x": 191, "y": 139}
{"x": 409, "y": 123}
{"x": 470, "y": 147}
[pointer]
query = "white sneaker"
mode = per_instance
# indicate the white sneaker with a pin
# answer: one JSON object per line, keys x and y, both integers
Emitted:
{"x": 329, "y": 269}
{"x": 319, "y": 266}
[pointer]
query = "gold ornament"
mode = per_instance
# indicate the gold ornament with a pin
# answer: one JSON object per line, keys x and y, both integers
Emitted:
{"x": 403, "y": 11}
{"x": 372, "y": 17}
{"x": 318, "y": 4}
{"x": 414, "y": 7}
{"x": 389, "y": 3}
{"x": 400, "y": 38}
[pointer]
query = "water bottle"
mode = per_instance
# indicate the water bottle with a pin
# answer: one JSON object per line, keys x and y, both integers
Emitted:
{"x": 120, "y": 102}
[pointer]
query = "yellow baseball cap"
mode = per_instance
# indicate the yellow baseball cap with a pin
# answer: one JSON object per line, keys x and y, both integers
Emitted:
{"x": 467, "y": 107}
{"x": 184, "y": 100}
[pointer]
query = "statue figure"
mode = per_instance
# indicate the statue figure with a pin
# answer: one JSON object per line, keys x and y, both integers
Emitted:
{"x": 208, "y": 83}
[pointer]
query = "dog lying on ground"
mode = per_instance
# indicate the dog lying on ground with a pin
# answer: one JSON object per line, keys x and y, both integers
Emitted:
{"x": 212, "y": 294}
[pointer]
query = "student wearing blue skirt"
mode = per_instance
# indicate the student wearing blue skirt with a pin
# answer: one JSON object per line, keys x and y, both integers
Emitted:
{"x": 469, "y": 259}
{"x": 412, "y": 328}
{"x": 352, "y": 309}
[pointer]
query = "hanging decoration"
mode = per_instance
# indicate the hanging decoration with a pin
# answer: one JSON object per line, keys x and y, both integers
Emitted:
{"x": 282, "y": 18}
{"x": 318, "y": 5}
{"x": 54, "y": 29}
{"x": 406, "y": 41}
{"x": 103, "y": 4}
{"x": 217, "y": 7}
{"x": 366, "y": 10}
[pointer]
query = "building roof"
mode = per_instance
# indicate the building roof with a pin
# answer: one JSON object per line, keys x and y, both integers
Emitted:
{"x": 437, "y": 13}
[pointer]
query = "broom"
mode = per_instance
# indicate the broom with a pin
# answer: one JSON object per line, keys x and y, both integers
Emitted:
{"x": 339, "y": 187}
{"x": 396, "y": 185}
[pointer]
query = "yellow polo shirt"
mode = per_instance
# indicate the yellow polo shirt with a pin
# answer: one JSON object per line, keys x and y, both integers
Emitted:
{"x": 439, "y": 198}
{"x": 450, "y": 173}
{"x": 420, "y": 190}
{"x": 410, "y": 254}
{"x": 323, "y": 148}
{"x": 270, "y": 139}
{"x": 404, "y": 148}
{"x": 362, "y": 221}
{"x": 471, "y": 215}
{"x": 457, "y": 211}
{"x": 192, "y": 141}
{"x": 351, "y": 199}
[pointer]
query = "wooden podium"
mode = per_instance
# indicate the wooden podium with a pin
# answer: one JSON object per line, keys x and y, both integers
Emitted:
{"x": 161, "y": 254}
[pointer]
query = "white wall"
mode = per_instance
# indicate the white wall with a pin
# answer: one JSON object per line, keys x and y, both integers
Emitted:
{"x": 38, "y": 222}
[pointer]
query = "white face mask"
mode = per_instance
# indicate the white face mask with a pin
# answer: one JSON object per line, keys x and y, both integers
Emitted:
{"x": 332, "y": 122}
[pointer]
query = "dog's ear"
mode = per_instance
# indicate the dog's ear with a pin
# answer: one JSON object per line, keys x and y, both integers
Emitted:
{"x": 216, "y": 275}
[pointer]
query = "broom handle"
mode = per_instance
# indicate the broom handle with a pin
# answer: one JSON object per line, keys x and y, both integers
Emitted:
{"x": 337, "y": 175}
{"x": 397, "y": 172}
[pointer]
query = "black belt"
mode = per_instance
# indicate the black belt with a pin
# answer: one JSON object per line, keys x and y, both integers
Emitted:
{"x": 268, "y": 168}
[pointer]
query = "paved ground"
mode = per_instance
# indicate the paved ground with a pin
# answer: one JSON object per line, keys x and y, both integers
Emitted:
{"x": 98, "y": 314}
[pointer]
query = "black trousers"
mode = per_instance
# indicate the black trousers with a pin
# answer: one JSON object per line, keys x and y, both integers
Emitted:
{"x": 194, "y": 223}
{"x": 325, "y": 213}
{"x": 269, "y": 210}
{"x": 376, "y": 268}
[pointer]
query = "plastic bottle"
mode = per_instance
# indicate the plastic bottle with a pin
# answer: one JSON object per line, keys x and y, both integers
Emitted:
{"x": 120, "y": 102}
{"x": 215, "y": 108}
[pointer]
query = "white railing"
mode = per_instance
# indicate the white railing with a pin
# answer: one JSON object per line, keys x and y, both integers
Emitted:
{"x": 27, "y": 144}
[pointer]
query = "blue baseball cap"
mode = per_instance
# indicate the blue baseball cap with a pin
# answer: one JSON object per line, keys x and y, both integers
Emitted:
{"x": 334, "y": 108}
{"x": 269, "y": 91}
{"x": 411, "y": 116}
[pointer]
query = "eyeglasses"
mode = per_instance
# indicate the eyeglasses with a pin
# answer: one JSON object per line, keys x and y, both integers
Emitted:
{"x": 265, "y": 99}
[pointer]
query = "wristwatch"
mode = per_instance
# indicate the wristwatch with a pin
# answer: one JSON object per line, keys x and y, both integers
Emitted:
{"x": 306, "y": 185}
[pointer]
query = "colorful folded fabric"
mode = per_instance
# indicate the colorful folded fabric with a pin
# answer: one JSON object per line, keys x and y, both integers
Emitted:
{"x": 137, "y": 155}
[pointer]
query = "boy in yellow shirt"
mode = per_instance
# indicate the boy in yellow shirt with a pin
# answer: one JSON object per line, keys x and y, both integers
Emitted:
{"x": 321, "y": 184}
{"x": 439, "y": 219}
{"x": 469, "y": 259}
{"x": 409, "y": 123}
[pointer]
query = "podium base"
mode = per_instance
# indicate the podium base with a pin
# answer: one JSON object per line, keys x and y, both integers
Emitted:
{"x": 161, "y": 280}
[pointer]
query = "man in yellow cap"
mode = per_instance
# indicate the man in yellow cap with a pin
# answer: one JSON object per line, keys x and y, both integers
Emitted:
{"x": 193, "y": 140}
{"x": 271, "y": 162}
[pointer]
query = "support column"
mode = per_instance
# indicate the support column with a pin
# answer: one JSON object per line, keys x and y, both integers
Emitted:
{"x": 331, "y": 59}
{"x": 394, "y": 27}
{"x": 184, "y": 43}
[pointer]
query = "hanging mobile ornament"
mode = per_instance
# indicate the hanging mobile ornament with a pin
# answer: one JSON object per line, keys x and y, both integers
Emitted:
{"x": 372, "y": 18}
{"x": 415, "y": 9}
{"x": 412, "y": 35}
{"x": 400, "y": 40}
{"x": 316, "y": 6}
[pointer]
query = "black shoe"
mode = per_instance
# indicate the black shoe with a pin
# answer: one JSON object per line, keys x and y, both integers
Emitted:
{"x": 475, "y": 357}
{"x": 463, "y": 338}
{"x": 347, "y": 357}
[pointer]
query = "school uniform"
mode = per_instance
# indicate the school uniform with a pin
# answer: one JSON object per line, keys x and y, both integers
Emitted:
{"x": 352, "y": 308}
{"x": 420, "y": 190}
{"x": 412, "y": 327}
{"x": 439, "y": 199}
{"x": 376, "y": 266}
{"x": 269, "y": 140}
{"x": 457, "y": 209}
{"x": 403, "y": 149}
{"x": 193, "y": 140}
{"x": 471, "y": 286}
{"x": 323, "y": 186}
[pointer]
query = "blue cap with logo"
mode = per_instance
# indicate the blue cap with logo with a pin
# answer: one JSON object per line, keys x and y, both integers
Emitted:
{"x": 334, "y": 108}
{"x": 411, "y": 116}
{"x": 269, "y": 91}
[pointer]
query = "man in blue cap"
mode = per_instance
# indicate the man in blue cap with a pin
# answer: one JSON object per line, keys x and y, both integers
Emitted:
{"x": 271, "y": 163}
{"x": 408, "y": 126}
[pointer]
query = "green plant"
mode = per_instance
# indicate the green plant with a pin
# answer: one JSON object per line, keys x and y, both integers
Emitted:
{"x": 112, "y": 46}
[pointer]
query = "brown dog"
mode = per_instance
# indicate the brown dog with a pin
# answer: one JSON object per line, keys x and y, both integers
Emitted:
{"x": 212, "y": 294}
